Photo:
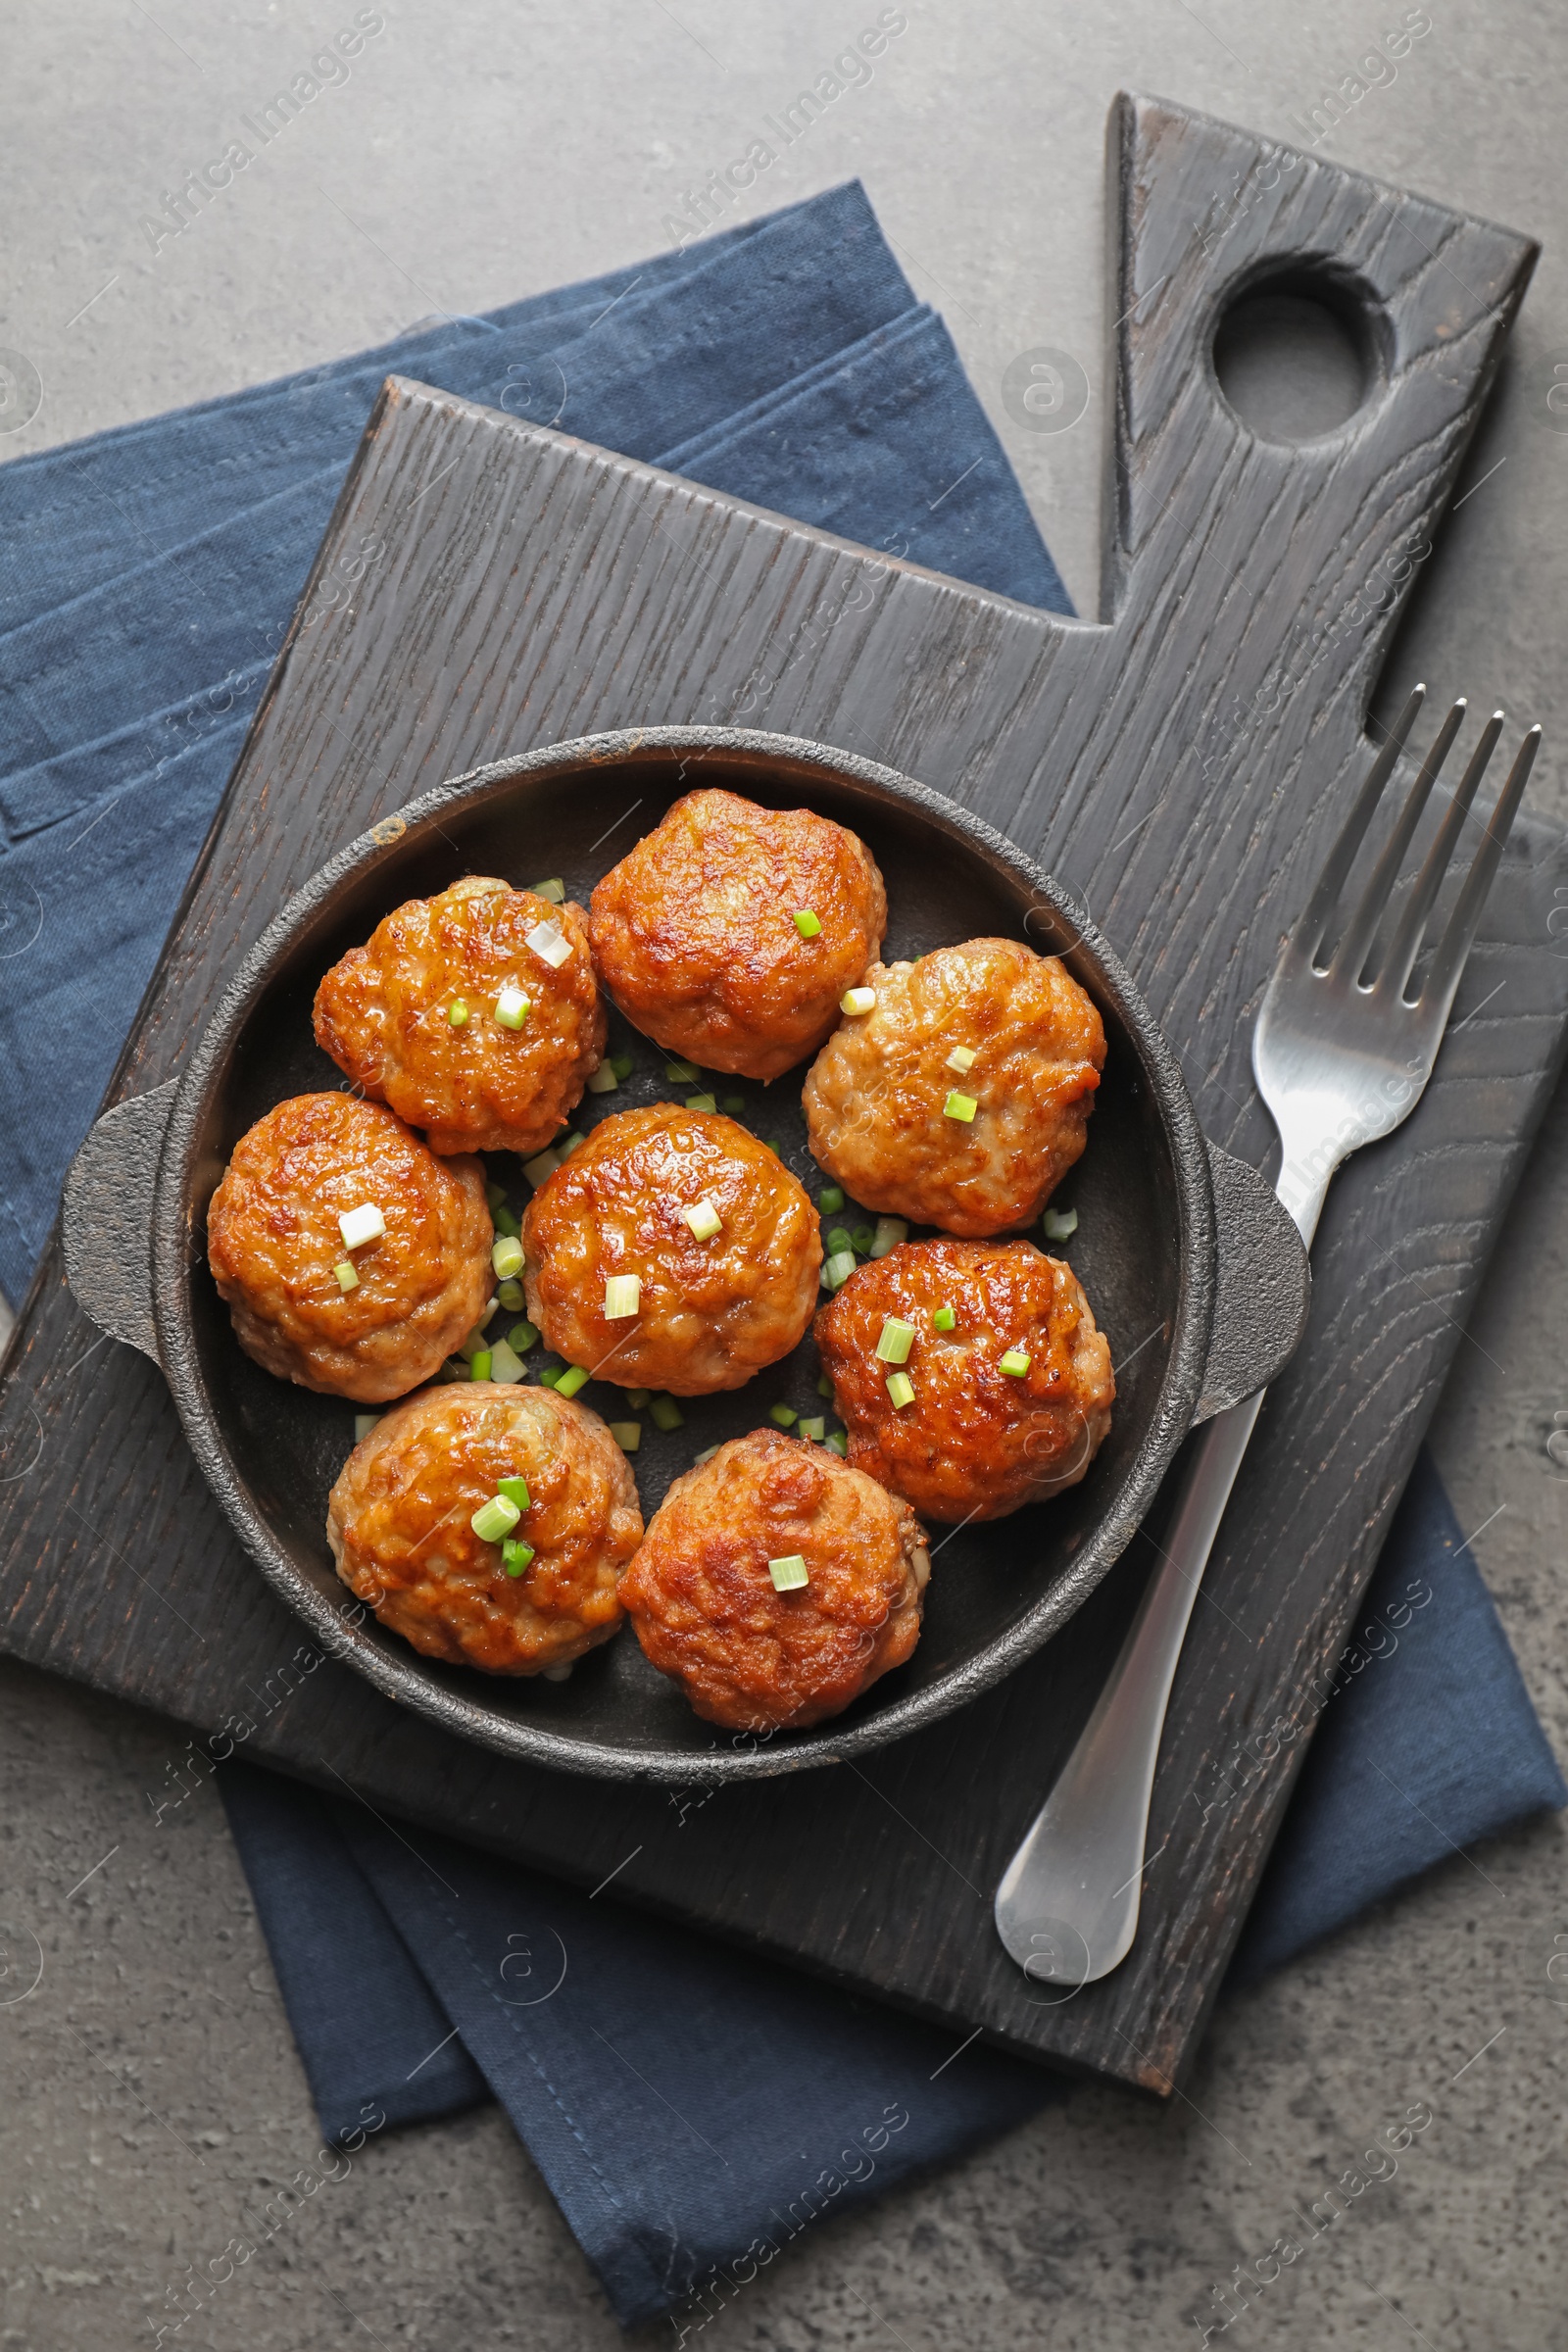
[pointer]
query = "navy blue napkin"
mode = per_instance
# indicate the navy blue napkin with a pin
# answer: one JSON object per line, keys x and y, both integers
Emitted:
{"x": 153, "y": 571}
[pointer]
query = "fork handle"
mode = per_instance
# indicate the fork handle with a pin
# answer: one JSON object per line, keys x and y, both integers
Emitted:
{"x": 1068, "y": 1907}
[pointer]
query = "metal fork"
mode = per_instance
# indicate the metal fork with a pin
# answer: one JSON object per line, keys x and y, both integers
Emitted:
{"x": 1342, "y": 1055}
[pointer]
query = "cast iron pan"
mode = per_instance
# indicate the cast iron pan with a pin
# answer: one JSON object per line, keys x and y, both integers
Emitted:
{"x": 1192, "y": 1270}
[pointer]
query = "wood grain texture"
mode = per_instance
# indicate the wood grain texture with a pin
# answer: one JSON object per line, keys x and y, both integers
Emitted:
{"x": 1181, "y": 765}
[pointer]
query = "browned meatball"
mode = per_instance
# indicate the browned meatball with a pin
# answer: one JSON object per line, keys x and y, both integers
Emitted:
{"x": 976, "y": 1441}
{"x": 399, "y": 1524}
{"x": 972, "y": 1145}
{"x": 274, "y": 1243}
{"x": 384, "y": 1014}
{"x": 711, "y": 1307}
{"x": 695, "y": 933}
{"x": 701, "y": 1597}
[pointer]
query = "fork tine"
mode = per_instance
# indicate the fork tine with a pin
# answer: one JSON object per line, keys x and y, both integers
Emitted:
{"x": 1454, "y": 947}
{"x": 1350, "y": 955}
{"x": 1336, "y": 865}
{"x": 1400, "y": 960}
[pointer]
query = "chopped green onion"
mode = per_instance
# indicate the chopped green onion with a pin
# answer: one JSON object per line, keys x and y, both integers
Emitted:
{"x": 457, "y": 1013}
{"x": 469, "y": 1348}
{"x": 943, "y": 1318}
{"x": 705, "y": 1455}
{"x": 1015, "y": 1364}
{"x": 515, "y": 1489}
{"x": 552, "y": 1376}
{"x": 734, "y": 1105}
{"x": 810, "y": 1429}
{"x": 1059, "y": 1223}
{"x": 572, "y": 1379}
{"x": 901, "y": 1390}
{"x": 621, "y": 1065}
{"x": 862, "y": 1237}
{"x": 505, "y": 1365}
{"x": 784, "y": 1414}
{"x": 666, "y": 1413}
{"x": 889, "y": 1231}
{"x": 838, "y": 1269}
{"x": 603, "y": 1080}
{"x": 555, "y": 892}
{"x": 824, "y": 1387}
{"x": 962, "y": 1058}
{"x": 504, "y": 1221}
{"x": 522, "y": 1335}
{"x": 346, "y": 1278}
{"x": 788, "y": 1575}
{"x": 361, "y": 1225}
{"x": 495, "y": 1519}
{"x": 855, "y": 1000}
{"x": 550, "y": 944}
{"x": 768, "y": 1144}
{"x": 704, "y": 1220}
{"x": 623, "y": 1294}
{"x": 515, "y": 1555}
{"x": 832, "y": 1202}
{"x": 629, "y": 1434}
{"x": 569, "y": 1143}
{"x": 506, "y": 1255}
{"x": 542, "y": 1165}
{"x": 838, "y": 1442}
{"x": 959, "y": 1106}
{"x": 839, "y": 1236}
{"x": 681, "y": 1074}
{"x": 897, "y": 1338}
{"x": 640, "y": 1398}
{"x": 363, "y": 1423}
{"x": 496, "y": 1195}
{"x": 511, "y": 1007}
{"x": 510, "y": 1296}
{"x": 807, "y": 923}
{"x": 486, "y": 1312}
{"x": 480, "y": 1363}
{"x": 701, "y": 1102}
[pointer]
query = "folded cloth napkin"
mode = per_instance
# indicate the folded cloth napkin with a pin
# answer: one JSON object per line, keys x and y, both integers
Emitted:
{"x": 153, "y": 571}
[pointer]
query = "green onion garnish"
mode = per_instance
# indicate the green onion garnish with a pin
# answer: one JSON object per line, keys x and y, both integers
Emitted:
{"x": 681, "y": 1074}
{"x": 1015, "y": 1364}
{"x": 789, "y": 1574}
{"x": 511, "y": 1007}
{"x": 480, "y": 1363}
{"x": 959, "y": 1106}
{"x": 705, "y": 1220}
{"x": 889, "y": 1231}
{"x": 701, "y": 1102}
{"x": 542, "y": 1165}
{"x": 768, "y": 1144}
{"x": 838, "y": 1442}
{"x": 496, "y": 1195}
{"x": 832, "y": 1202}
{"x": 897, "y": 1338}
{"x": 862, "y": 1237}
{"x": 824, "y": 1387}
{"x": 629, "y": 1434}
{"x": 505, "y": 1365}
{"x": 810, "y": 1429}
{"x": 363, "y": 1423}
{"x": 705, "y": 1455}
{"x": 555, "y": 891}
{"x": 943, "y": 1318}
{"x": 522, "y": 1337}
{"x": 486, "y": 1312}
{"x": 515, "y": 1489}
{"x": 963, "y": 1059}
{"x": 855, "y": 1000}
{"x": 623, "y": 1294}
{"x": 506, "y": 1255}
{"x": 839, "y": 1236}
{"x": 621, "y": 1065}
{"x": 784, "y": 1414}
{"x": 838, "y": 1269}
{"x": 569, "y": 1143}
{"x": 602, "y": 1081}
{"x": 457, "y": 1013}
{"x": 552, "y": 1376}
{"x": 640, "y": 1398}
{"x": 509, "y": 1295}
{"x": 901, "y": 1390}
{"x": 346, "y": 1278}
{"x": 572, "y": 1379}
{"x": 550, "y": 944}
{"x": 734, "y": 1105}
{"x": 361, "y": 1225}
{"x": 666, "y": 1413}
{"x": 504, "y": 1221}
{"x": 1059, "y": 1223}
{"x": 495, "y": 1519}
{"x": 515, "y": 1555}
{"x": 807, "y": 923}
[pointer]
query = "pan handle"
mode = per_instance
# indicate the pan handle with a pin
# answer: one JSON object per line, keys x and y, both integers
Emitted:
{"x": 106, "y": 1217}
{"x": 1263, "y": 1289}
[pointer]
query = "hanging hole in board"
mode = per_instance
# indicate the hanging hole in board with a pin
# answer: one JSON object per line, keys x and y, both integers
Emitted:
{"x": 1296, "y": 354}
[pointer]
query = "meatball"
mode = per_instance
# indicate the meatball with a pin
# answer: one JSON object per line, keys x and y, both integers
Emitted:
{"x": 963, "y": 1096}
{"x": 460, "y": 1015}
{"x": 713, "y": 1303}
{"x": 367, "y": 1320}
{"x": 696, "y": 934}
{"x": 701, "y": 1597}
{"x": 1010, "y": 1404}
{"x": 400, "y": 1524}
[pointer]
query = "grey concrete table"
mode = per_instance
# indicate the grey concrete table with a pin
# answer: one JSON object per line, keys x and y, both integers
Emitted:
{"x": 481, "y": 153}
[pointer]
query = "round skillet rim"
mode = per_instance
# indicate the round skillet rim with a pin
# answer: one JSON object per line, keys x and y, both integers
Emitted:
{"x": 178, "y": 1256}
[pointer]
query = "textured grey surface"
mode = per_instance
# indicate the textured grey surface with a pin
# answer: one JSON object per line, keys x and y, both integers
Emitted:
{"x": 477, "y": 154}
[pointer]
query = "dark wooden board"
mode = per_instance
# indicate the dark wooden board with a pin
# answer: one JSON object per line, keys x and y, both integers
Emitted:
{"x": 1181, "y": 765}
